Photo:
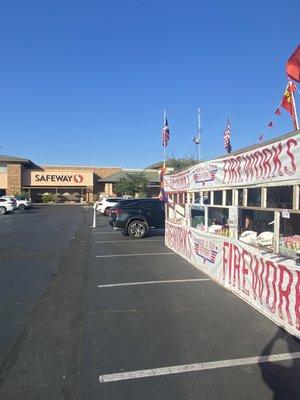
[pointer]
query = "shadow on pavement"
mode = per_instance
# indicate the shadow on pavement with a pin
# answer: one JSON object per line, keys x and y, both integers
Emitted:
{"x": 283, "y": 380}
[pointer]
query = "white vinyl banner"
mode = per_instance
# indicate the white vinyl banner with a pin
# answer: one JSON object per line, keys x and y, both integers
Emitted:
{"x": 270, "y": 286}
{"x": 272, "y": 163}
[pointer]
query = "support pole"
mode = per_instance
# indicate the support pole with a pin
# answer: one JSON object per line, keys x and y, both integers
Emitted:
{"x": 94, "y": 216}
{"x": 165, "y": 116}
{"x": 294, "y": 103}
{"x": 199, "y": 136}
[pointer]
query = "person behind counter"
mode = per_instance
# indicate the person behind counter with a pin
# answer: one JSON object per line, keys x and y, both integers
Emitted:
{"x": 248, "y": 224}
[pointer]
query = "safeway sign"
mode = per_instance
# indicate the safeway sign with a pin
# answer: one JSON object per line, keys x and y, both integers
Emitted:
{"x": 58, "y": 178}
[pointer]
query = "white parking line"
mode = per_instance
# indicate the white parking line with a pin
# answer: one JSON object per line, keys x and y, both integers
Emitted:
{"x": 105, "y": 233}
{"x": 153, "y": 282}
{"x": 135, "y": 255}
{"x": 131, "y": 241}
{"x": 179, "y": 369}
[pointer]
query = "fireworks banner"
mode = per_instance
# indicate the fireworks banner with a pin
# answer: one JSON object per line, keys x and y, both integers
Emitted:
{"x": 269, "y": 285}
{"x": 273, "y": 162}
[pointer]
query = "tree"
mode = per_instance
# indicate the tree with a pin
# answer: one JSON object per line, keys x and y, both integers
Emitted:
{"x": 181, "y": 163}
{"x": 132, "y": 184}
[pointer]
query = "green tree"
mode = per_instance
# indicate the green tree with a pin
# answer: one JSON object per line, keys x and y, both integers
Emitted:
{"x": 133, "y": 184}
{"x": 180, "y": 163}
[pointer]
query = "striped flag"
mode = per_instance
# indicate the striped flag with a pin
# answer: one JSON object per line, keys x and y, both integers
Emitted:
{"x": 227, "y": 136}
{"x": 165, "y": 134}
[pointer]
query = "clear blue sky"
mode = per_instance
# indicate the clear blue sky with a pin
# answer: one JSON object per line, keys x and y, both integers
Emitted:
{"x": 86, "y": 82}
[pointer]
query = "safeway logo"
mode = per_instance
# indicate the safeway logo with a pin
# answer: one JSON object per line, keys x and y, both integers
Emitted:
{"x": 78, "y": 178}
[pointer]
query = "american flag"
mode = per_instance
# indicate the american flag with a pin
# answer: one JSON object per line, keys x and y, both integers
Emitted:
{"x": 226, "y": 137}
{"x": 165, "y": 134}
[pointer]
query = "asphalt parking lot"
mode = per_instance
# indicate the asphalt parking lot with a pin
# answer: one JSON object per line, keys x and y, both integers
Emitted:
{"x": 127, "y": 319}
{"x": 150, "y": 314}
{"x": 32, "y": 245}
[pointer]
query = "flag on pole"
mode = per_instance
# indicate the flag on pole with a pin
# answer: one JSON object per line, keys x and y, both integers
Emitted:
{"x": 293, "y": 65}
{"x": 227, "y": 137}
{"x": 165, "y": 134}
{"x": 288, "y": 102}
{"x": 277, "y": 112}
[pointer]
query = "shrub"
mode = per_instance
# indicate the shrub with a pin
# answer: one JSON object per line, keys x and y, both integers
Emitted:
{"x": 48, "y": 197}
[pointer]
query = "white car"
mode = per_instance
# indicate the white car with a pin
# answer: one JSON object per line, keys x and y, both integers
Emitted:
{"x": 7, "y": 205}
{"x": 22, "y": 202}
{"x": 107, "y": 203}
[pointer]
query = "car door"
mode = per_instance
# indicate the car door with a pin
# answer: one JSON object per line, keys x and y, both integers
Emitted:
{"x": 155, "y": 213}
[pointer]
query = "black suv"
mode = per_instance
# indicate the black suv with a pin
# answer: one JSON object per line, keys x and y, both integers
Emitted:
{"x": 135, "y": 217}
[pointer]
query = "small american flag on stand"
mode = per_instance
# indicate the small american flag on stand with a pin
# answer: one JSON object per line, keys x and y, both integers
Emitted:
{"x": 165, "y": 134}
{"x": 227, "y": 136}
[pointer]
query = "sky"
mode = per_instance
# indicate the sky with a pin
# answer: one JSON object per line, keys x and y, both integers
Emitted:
{"x": 86, "y": 82}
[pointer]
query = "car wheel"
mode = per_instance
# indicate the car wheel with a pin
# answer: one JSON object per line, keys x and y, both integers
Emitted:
{"x": 2, "y": 210}
{"x": 137, "y": 229}
{"x": 21, "y": 207}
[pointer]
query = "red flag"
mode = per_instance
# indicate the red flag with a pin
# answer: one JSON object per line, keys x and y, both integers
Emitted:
{"x": 270, "y": 124}
{"x": 287, "y": 101}
{"x": 278, "y": 112}
{"x": 293, "y": 65}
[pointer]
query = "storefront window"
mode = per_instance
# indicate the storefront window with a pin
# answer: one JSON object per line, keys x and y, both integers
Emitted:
{"x": 254, "y": 197}
{"x": 180, "y": 198}
{"x": 228, "y": 197}
{"x": 280, "y": 197}
{"x": 289, "y": 240}
{"x": 206, "y": 198}
{"x": 218, "y": 194}
{"x": 257, "y": 228}
{"x": 198, "y": 217}
{"x": 240, "y": 197}
{"x": 218, "y": 221}
{"x": 197, "y": 198}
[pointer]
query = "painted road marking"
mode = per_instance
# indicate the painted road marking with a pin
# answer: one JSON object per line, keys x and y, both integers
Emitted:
{"x": 135, "y": 255}
{"x": 179, "y": 369}
{"x": 153, "y": 282}
{"x": 105, "y": 233}
{"x": 131, "y": 241}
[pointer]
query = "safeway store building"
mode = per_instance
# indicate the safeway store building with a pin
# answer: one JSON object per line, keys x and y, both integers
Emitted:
{"x": 88, "y": 183}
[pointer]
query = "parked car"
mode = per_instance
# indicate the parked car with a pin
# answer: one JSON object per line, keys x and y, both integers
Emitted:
{"x": 22, "y": 202}
{"x": 7, "y": 205}
{"x": 135, "y": 217}
{"x": 107, "y": 203}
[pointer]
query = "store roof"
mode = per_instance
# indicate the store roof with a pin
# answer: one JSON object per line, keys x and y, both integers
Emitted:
{"x": 152, "y": 175}
{"x": 17, "y": 160}
{"x": 159, "y": 164}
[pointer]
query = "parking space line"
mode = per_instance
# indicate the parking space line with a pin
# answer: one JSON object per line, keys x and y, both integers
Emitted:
{"x": 179, "y": 369}
{"x": 130, "y": 241}
{"x": 135, "y": 255}
{"x": 105, "y": 233}
{"x": 153, "y": 282}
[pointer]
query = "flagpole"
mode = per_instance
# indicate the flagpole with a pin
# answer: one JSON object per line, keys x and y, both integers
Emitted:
{"x": 165, "y": 116}
{"x": 199, "y": 134}
{"x": 294, "y": 103}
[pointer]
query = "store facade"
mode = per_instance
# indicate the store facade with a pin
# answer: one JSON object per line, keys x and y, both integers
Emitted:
{"x": 19, "y": 175}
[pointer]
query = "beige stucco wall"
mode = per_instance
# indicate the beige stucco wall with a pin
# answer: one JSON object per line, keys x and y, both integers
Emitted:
{"x": 3, "y": 180}
{"x": 59, "y": 177}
